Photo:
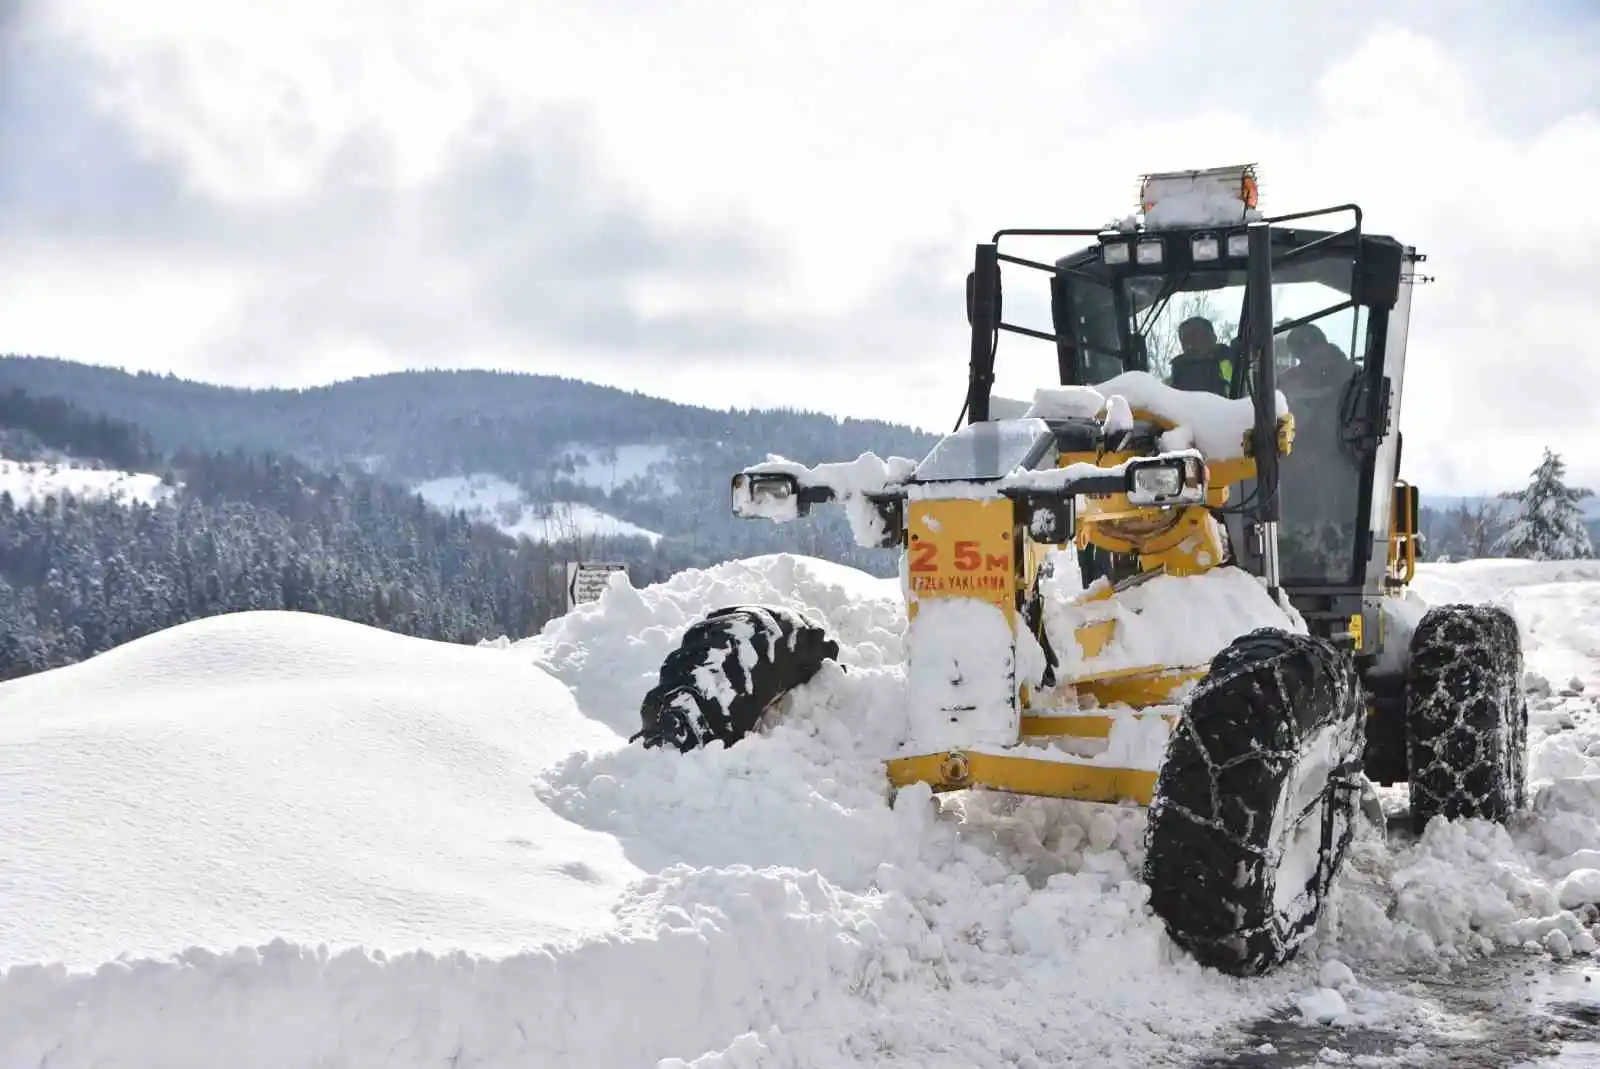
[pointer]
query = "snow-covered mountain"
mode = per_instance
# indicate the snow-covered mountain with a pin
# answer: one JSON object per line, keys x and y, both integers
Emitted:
{"x": 318, "y": 843}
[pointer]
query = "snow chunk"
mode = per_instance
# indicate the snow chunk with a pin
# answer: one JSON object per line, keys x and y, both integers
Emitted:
{"x": 1323, "y": 1006}
{"x": 1215, "y": 425}
{"x": 1579, "y": 888}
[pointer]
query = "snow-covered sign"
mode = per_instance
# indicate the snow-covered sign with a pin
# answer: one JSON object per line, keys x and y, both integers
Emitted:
{"x": 587, "y": 580}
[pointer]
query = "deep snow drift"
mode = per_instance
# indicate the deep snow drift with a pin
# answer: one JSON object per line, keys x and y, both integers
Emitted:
{"x": 783, "y": 915}
{"x": 268, "y": 775}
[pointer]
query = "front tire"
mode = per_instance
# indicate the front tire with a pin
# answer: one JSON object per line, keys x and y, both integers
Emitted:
{"x": 728, "y": 669}
{"x": 1257, "y": 801}
{"x": 1467, "y": 715}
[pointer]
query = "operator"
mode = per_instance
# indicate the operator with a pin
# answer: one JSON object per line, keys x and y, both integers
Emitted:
{"x": 1205, "y": 364}
{"x": 1318, "y": 362}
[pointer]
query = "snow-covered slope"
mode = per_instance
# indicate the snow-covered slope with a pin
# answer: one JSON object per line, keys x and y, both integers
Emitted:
{"x": 28, "y": 482}
{"x": 611, "y": 467}
{"x": 497, "y": 501}
{"x": 271, "y": 774}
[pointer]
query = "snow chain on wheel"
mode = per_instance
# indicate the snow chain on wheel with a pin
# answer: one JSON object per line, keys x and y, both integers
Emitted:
{"x": 1466, "y": 715}
{"x": 1257, "y": 801}
{"x": 727, "y": 670}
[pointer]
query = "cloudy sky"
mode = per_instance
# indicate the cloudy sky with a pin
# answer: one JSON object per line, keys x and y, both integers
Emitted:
{"x": 763, "y": 203}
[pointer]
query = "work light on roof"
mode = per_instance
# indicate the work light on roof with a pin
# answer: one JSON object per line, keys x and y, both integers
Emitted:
{"x": 1149, "y": 251}
{"x": 1204, "y": 248}
{"x": 1114, "y": 252}
{"x": 1238, "y": 244}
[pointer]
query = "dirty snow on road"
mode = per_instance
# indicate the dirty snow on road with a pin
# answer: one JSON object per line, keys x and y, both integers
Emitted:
{"x": 464, "y": 864}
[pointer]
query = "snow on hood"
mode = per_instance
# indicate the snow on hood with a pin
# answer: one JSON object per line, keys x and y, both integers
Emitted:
{"x": 1215, "y": 425}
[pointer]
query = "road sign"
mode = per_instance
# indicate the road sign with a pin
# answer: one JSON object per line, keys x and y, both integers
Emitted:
{"x": 587, "y": 580}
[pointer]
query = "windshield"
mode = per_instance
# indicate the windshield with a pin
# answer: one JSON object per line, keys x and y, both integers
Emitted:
{"x": 985, "y": 450}
{"x": 1185, "y": 330}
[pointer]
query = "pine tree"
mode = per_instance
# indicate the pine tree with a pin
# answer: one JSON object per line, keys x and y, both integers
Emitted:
{"x": 1548, "y": 524}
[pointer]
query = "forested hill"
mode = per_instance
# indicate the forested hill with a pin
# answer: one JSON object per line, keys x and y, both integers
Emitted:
{"x": 430, "y": 423}
{"x": 507, "y": 447}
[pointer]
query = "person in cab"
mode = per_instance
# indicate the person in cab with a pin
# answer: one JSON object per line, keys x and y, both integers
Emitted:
{"x": 1204, "y": 364}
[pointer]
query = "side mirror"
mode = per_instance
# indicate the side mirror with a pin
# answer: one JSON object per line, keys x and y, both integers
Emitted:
{"x": 1166, "y": 480}
{"x": 769, "y": 496}
{"x": 1407, "y": 514}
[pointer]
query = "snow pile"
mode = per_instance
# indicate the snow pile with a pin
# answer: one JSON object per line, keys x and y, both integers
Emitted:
{"x": 610, "y": 650}
{"x": 1215, "y": 425}
{"x": 270, "y": 773}
{"x": 263, "y": 775}
{"x": 1198, "y": 206}
{"x": 1164, "y": 621}
{"x": 1197, "y": 198}
{"x": 499, "y": 502}
{"x": 763, "y": 905}
{"x": 30, "y": 482}
{"x": 1472, "y": 887}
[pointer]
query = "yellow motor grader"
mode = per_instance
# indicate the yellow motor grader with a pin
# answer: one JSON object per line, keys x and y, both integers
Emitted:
{"x": 1173, "y": 578}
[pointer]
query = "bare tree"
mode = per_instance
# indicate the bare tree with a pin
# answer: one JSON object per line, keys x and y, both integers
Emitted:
{"x": 1479, "y": 524}
{"x": 1161, "y": 340}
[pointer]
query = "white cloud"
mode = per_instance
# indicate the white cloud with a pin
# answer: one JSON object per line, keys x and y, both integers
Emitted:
{"x": 775, "y": 206}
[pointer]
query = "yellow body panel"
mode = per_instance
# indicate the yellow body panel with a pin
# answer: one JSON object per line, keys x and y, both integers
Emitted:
{"x": 959, "y": 548}
{"x": 1074, "y": 725}
{"x": 960, "y": 770}
{"x": 1139, "y": 688}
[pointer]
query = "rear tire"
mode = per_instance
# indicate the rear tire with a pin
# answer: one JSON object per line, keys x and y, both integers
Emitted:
{"x": 1257, "y": 801}
{"x": 728, "y": 669}
{"x": 1466, "y": 715}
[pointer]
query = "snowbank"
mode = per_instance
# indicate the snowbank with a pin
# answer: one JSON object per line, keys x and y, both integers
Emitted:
{"x": 609, "y": 651}
{"x": 264, "y": 775}
{"x": 781, "y": 912}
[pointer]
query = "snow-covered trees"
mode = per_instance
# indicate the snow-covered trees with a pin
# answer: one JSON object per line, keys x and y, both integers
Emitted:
{"x": 1548, "y": 524}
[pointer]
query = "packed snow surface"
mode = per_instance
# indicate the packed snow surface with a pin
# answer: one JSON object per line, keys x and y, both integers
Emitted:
{"x": 758, "y": 906}
{"x": 497, "y": 501}
{"x": 29, "y": 482}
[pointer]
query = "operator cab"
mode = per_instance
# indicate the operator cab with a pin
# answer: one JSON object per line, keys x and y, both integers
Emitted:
{"x": 1177, "y": 296}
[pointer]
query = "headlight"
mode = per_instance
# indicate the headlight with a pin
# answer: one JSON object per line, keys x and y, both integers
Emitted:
{"x": 1238, "y": 244}
{"x": 1168, "y": 480}
{"x": 1149, "y": 252}
{"x": 767, "y": 495}
{"x": 1204, "y": 247}
{"x": 766, "y": 489}
{"x": 1158, "y": 482}
{"x": 1114, "y": 252}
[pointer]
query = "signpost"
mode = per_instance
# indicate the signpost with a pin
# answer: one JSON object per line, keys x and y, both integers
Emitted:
{"x": 587, "y": 580}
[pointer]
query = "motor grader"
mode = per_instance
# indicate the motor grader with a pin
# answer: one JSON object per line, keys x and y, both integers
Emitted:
{"x": 1138, "y": 590}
